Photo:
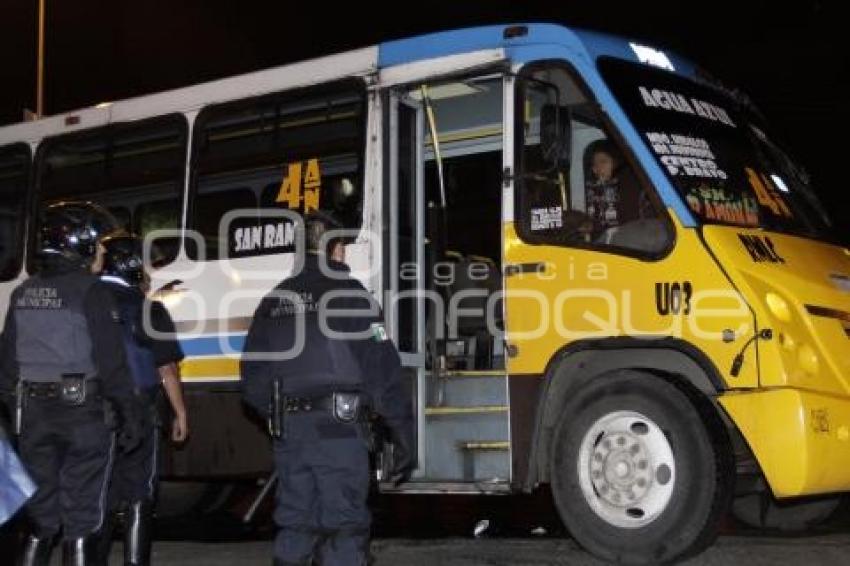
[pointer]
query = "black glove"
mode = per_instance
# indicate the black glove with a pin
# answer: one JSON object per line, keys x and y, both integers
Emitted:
{"x": 403, "y": 454}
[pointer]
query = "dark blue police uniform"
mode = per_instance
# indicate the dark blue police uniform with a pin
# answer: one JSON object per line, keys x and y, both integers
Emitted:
{"x": 134, "y": 477}
{"x": 322, "y": 454}
{"x": 63, "y": 323}
{"x": 135, "y": 474}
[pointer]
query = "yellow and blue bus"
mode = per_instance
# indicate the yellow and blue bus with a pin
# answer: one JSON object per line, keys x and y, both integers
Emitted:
{"x": 602, "y": 271}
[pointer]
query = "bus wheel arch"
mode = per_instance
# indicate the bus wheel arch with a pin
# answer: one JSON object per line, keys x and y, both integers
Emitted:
{"x": 640, "y": 472}
{"x": 577, "y": 366}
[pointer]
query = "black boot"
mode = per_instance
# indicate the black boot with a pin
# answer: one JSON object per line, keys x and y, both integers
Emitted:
{"x": 101, "y": 544}
{"x": 137, "y": 534}
{"x": 77, "y": 551}
{"x": 37, "y": 551}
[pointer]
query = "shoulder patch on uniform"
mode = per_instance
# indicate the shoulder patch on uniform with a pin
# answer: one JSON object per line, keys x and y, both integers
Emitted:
{"x": 115, "y": 315}
{"x": 379, "y": 332}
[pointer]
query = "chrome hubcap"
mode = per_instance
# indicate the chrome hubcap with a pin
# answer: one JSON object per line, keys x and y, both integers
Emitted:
{"x": 626, "y": 469}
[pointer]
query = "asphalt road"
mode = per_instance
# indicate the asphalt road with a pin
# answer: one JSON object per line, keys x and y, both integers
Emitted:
{"x": 522, "y": 530}
{"x": 825, "y": 550}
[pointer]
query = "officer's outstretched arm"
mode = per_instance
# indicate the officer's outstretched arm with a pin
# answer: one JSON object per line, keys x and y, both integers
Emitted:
{"x": 170, "y": 376}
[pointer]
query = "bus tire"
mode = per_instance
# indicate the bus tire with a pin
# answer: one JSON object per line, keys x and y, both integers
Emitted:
{"x": 641, "y": 474}
{"x": 762, "y": 511}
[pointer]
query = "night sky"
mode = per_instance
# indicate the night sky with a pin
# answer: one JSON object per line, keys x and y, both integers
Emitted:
{"x": 792, "y": 57}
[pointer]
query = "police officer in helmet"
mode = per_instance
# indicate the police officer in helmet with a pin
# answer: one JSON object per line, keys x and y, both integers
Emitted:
{"x": 61, "y": 353}
{"x": 316, "y": 359}
{"x": 152, "y": 354}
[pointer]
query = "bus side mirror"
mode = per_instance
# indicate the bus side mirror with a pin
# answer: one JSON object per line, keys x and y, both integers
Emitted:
{"x": 556, "y": 135}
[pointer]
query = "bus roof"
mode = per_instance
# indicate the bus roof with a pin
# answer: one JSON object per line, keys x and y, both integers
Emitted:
{"x": 586, "y": 43}
{"x": 361, "y": 62}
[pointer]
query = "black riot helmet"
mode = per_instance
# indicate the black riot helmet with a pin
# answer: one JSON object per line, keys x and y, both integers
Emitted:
{"x": 70, "y": 231}
{"x": 123, "y": 258}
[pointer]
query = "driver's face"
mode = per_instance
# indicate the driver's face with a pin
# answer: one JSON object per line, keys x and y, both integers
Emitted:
{"x": 602, "y": 166}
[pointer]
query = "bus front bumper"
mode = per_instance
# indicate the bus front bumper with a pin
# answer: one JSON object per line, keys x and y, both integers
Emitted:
{"x": 801, "y": 439}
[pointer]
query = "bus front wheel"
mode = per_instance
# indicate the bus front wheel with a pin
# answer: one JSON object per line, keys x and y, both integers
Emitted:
{"x": 640, "y": 473}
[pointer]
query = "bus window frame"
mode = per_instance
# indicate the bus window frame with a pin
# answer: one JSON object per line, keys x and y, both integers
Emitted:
{"x": 616, "y": 136}
{"x": 22, "y": 242}
{"x": 349, "y": 84}
{"x": 179, "y": 119}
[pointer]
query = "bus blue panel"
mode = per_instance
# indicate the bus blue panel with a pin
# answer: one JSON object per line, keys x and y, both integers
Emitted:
{"x": 212, "y": 345}
{"x": 465, "y": 40}
{"x": 445, "y": 43}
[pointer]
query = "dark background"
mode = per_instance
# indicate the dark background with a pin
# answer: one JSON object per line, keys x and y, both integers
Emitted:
{"x": 791, "y": 57}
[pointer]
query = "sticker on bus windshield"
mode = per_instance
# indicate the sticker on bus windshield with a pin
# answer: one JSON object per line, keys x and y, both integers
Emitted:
{"x": 685, "y": 155}
{"x": 549, "y": 218}
{"x": 675, "y": 102}
{"x": 717, "y": 204}
{"x": 767, "y": 194}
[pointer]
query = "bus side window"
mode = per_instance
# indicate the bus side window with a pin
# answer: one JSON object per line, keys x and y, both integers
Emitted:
{"x": 593, "y": 199}
{"x": 136, "y": 170}
{"x": 124, "y": 217}
{"x": 14, "y": 176}
{"x": 215, "y": 203}
{"x": 156, "y": 215}
{"x": 297, "y": 151}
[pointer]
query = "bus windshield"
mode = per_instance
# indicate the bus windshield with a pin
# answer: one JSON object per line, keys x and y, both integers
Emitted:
{"x": 717, "y": 153}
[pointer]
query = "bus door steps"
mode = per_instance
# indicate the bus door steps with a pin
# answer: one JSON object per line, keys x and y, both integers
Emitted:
{"x": 459, "y": 374}
{"x": 492, "y": 445}
{"x": 439, "y": 487}
{"x": 465, "y": 413}
{"x": 459, "y": 388}
{"x": 474, "y": 410}
{"x": 471, "y": 449}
